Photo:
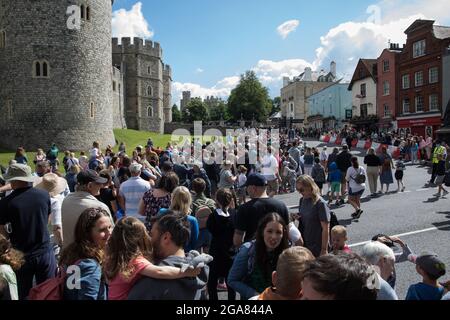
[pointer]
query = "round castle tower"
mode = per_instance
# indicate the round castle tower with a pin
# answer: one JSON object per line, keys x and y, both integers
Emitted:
{"x": 55, "y": 83}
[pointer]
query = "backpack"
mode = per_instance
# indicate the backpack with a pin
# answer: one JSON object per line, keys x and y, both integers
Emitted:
{"x": 360, "y": 178}
{"x": 52, "y": 289}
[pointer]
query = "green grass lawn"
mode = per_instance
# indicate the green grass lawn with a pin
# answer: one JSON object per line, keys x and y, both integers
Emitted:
{"x": 131, "y": 138}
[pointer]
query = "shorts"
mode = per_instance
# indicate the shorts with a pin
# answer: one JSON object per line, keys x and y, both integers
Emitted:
{"x": 343, "y": 179}
{"x": 398, "y": 175}
{"x": 272, "y": 186}
{"x": 439, "y": 180}
{"x": 336, "y": 186}
{"x": 355, "y": 194}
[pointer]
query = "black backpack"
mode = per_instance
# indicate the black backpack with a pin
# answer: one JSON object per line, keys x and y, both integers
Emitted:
{"x": 360, "y": 177}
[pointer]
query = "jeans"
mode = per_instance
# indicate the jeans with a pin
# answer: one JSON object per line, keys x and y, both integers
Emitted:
{"x": 414, "y": 157}
{"x": 42, "y": 267}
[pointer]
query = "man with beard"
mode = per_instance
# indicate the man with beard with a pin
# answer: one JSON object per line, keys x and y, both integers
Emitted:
{"x": 169, "y": 234}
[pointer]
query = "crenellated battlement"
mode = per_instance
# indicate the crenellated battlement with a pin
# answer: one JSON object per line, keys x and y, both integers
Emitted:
{"x": 138, "y": 45}
{"x": 167, "y": 71}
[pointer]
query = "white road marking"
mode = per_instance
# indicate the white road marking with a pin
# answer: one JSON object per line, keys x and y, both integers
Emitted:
{"x": 424, "y": 189}
{"x": 398, "y": 236}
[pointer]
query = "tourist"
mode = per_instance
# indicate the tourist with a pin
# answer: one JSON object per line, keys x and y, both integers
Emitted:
{"x": 42, "y": 168}
{"x": 40, "y": 156}
{"x": 270, "y": 170}
{"x": 288, "y": 277}
{"x": 334, "y": 178}
{"x": 414, "y": 149}
{"x": 71, "y": 177}
{"x": 251, "y": 213}
{"x": 440, "y": 176}
{"x": 52, "y": 157}
{"x": 132, "y": 191}
{"x": 438, "y": 151}
{"x": 11, "y": 260}
{"x": 314, "y": 217}
{"x": 169, "y": 235}
{"x": 221, "y": 226}
{"x": 227, "y": 180}
{"x": 251, "y": 272}
{"x": 241, "y": 181}
{"x": 343, "y": 161}
{"x": 387, "y": 165}
{"x": 318, "y": 174}
{"x": 339, "y": 277}
{"x": 26, "y": 212}
{"x": 108, "y": 194}
{"x": 373, "y": 170}
{"x": 86, "y": 250}
{"x": 308, "y": 161}
{"x": 339, "y": 240}
{"x": 399, "y": 174}
{"x": 356, "y": 177}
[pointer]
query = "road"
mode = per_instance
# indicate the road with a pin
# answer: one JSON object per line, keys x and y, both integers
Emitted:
{"x": 421, "y": 220}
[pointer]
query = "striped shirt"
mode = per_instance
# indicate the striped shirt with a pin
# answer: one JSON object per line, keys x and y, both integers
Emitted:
{"x": 132, "y": 191}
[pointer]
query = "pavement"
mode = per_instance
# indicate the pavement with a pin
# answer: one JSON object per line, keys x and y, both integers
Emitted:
{"x": 416, "y": 216}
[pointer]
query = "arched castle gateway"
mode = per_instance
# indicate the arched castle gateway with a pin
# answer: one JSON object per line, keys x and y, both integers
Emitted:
{"x": 58, "y": 83}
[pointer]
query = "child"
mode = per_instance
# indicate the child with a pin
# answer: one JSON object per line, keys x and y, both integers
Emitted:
{"x": 440, "y": 176}
{"x": 335, "y": 177}
{"x": 241, "y": 190}
{"x": 128, "y": 259}
{"x": 431, "y": 268}
{"x": 339, "y": 239}
{"x": 11, "y": 260}
{"x": 318, "y": 174}
{"x": 399, "y": 171}
{"x": 221, "y": 226}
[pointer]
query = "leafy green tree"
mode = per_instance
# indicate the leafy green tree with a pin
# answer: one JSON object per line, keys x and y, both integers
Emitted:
{"x": 250, "y": 99}
{"x": 219, "y": 112}
{"x": 196, "y": 110}
{"x": 176, "y": 114}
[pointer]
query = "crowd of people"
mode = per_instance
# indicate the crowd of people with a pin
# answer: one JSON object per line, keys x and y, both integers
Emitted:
{"x": 161, "y": 224}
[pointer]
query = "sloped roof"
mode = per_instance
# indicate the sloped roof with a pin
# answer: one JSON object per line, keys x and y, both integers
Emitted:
{"x": 419, "y": 23}
{"x": 441, "y": 32}
{"x": 368, "y": 64}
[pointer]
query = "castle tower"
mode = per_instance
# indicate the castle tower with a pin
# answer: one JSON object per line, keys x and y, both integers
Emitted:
{"x": 167, "y": 102}
{"x": 55, "y": 82}
{"x": 142, "y": 67}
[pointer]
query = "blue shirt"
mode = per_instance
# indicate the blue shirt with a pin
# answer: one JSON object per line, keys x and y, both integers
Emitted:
{"x": 422, "y": 291}
{"x": 91, "y": 285}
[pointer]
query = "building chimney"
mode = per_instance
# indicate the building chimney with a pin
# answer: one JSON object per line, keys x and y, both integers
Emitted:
{"x": 333, "y": 68}
{"x": 308, "y": 74}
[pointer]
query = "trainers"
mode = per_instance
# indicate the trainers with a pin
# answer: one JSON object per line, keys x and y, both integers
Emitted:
{"x": 358, "y": 214}
{"x": 403, "y": 189}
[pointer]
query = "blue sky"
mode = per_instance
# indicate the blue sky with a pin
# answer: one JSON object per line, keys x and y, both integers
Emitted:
{"x": 209, "y": 43}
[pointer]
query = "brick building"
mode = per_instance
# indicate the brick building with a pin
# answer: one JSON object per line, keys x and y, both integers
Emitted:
{"x": 420, "y": 80}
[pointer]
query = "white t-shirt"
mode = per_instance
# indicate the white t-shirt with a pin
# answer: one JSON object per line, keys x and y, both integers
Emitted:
{"x": 269, "y": 167}
{"x": 56, "y": 203}
{"x": 351, "y": 176}
{"x": 323, "y": 156}
{"x": 242, "y": 179}
{"x": 93, "y": 153}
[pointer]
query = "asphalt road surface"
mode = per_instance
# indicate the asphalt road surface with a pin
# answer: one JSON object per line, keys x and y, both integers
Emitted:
{"x": 416, "y": 216}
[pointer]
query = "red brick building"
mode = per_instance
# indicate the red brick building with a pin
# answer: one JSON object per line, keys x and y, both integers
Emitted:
{"x": 419, "y": 83}
{"x": 387, "y": 86}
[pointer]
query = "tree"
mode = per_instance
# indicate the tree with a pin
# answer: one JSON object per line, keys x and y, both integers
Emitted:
{"x": 219, "y": 112}
{"x": 196, "y": 110}
{"x": 249, "y": 99}
{"x": 176, "y": 114}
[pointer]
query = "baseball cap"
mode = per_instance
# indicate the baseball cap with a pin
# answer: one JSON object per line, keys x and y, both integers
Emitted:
{"x": 430, "y": 263}
{"x": 257, "y": 180}
{"x": 86, "y": 176}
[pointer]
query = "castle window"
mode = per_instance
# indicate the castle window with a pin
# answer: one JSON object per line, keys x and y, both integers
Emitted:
{"x": 82, "y": 8}
{"x": 92, "y": 110}
{"x": 41, "y": 69}
{"x": 2, "y": 39}
{"x": 37, "y": 69}
{"x": 114, "y": 86}
{"x": 44, "y": 69}
{"x": 9, "y": 109}
{"x": 88, "y": 13}
{"x": 149, "y": 91}
{"x": 149, "y": 70}
{"x": 150, "y": 112}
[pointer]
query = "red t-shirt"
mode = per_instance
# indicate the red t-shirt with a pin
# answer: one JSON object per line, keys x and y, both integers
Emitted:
{"x": 119, "y": 287}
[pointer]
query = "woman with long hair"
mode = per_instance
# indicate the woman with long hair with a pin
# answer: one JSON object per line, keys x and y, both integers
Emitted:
{"x": 386, "y": 177}
{"x": 128, "y": 259}
{"x": 356, "y": 187}
{"x": 251, "y": 272}
{"x": 11, "y": 260}
{"x": 314, "y": 216}
{"x": 92, "y": 232}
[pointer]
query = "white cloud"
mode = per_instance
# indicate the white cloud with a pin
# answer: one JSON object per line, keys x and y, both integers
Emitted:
{"x": 131, "y": 23}
{"x": 199, "y": 70}
{"x": 287, "y": 27}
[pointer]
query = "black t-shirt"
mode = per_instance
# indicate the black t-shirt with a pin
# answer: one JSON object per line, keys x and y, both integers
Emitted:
{"x": 372, "y": 160}
{"x": 344, "y": 161}
{"x": 251, "y": 213}
{"x": 106, "y": 196}
{"x": 27, "y": 211}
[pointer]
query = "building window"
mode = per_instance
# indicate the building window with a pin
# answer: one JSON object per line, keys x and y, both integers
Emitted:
{"x": 386, "y": 88}
{"x": 363, "y": 108}
{"x": 149, "y": 70}
{"x": 406, "y": 105}
{"x": 82, "y": 8}
{"x": 387, "y": 111}
{"x": 292, "y": 109}
{"x": 386, "y": 66}
{"x": 434, "y": 75}
{"x": 434, "y": 102}
{"x": 419, "y": 48}
{"x": 2, "y": 39}
{"x": 405, "y": 81}
{"x": 114, "y": 86}
{"x": 149, "y": 91}
{"x": 41, "y": 69}
{"x": 92, "y": 110}
{"x": 419, "y": 78}
{"x": 9, "y": 109}
{"x": 363, "y": 90}
{"x": 88, "y": 13}
{"x": 150, "y": 112}
{"x": 419, "y": 104}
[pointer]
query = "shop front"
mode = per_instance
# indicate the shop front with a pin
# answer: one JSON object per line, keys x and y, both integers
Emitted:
{"x": 420, "y": 125}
